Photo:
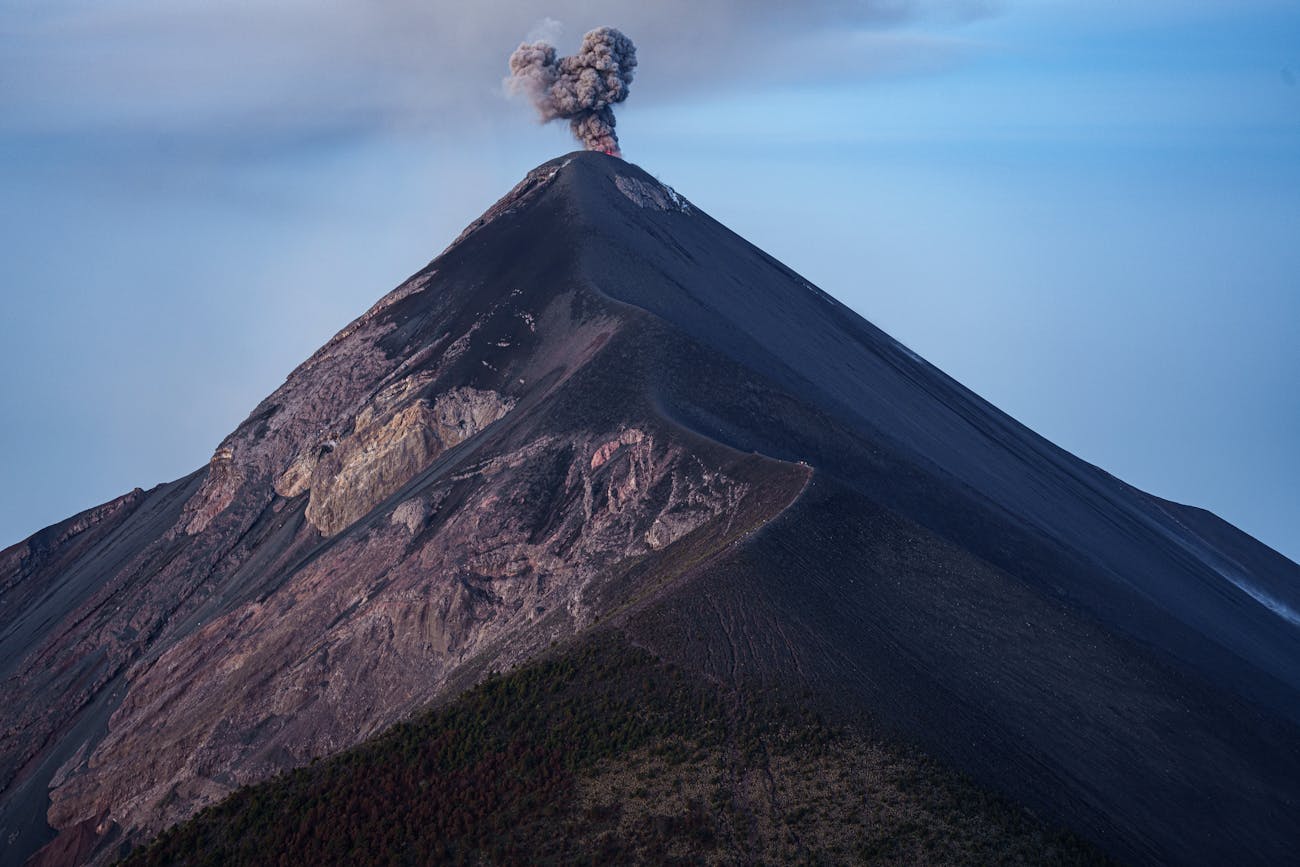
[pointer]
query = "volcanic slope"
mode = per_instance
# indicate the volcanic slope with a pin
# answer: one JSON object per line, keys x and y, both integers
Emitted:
{"x": 600, "y": 404}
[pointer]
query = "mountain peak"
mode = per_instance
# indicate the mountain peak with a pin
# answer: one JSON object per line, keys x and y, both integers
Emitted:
{"x": 582, "y": 173}
{"x": 582, "y": 179}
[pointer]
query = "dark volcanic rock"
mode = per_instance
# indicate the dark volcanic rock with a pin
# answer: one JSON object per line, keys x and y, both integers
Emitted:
{"x": 601, "y": 404}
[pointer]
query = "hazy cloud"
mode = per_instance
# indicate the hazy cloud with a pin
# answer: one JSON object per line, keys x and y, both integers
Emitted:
{"x": 294, "y": 67}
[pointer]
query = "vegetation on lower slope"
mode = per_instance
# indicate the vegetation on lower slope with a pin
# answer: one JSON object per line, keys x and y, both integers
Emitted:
{"x": 605, "y": 754}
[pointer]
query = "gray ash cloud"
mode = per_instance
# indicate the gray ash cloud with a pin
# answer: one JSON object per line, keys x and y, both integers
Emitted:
{"x": 583, "y": 88}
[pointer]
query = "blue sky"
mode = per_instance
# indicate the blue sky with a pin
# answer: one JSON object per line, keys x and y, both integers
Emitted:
{"x": 1089, "y": 213}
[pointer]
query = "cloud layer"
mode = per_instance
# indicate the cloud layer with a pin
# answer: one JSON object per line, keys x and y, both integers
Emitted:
{"x": 191, "y": 66}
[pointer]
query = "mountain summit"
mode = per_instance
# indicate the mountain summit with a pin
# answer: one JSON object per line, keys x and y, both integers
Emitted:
{"x": 601, "y": 407}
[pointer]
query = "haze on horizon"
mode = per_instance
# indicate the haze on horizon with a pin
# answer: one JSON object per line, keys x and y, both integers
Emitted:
{"x": 1087, "y": 213}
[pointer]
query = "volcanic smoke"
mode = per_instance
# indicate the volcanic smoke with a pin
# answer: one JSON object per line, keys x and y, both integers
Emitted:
{"x": 581, "y": 89}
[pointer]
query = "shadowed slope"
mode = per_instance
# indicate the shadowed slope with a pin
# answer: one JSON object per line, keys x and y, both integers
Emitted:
{"x": 599, "y": 753}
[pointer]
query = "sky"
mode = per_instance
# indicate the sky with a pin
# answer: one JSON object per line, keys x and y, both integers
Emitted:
{"x": 1087, "y": 212}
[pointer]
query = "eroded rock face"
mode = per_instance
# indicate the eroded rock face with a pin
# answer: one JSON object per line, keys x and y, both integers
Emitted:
{"x": 660, "y": 197}
{"x": 411, "y": 514}
{"x": 379, "y": 623}
{"x": 392, "y": 441}
{"x": 223, "y": 483}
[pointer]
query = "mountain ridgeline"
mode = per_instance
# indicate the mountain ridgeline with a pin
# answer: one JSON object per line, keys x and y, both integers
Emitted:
{"x": 602, "y": 420}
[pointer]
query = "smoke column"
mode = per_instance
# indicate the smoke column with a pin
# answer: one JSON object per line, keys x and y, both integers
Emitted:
{"x": 581, "y": 89}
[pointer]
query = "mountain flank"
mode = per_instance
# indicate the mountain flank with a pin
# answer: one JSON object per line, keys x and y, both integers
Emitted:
{"x": 600, "y": 411}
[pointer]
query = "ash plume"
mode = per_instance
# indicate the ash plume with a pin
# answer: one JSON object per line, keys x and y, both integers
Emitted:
{"x": 582, "y": 89}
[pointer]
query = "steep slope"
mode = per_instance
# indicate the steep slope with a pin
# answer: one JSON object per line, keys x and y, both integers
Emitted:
{"x": 443, "y": 487}
{"x": 601, "y": 404}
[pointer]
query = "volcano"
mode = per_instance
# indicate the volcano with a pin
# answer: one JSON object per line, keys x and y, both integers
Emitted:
{"x": 599, "y": 410}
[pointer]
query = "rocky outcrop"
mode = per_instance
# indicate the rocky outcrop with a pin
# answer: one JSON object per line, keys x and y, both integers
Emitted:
{"x": 392, "y": 440}
{"x": 219, "y": 490}
{"x": 378, "y": 623}
{"x": 644, "y": 194}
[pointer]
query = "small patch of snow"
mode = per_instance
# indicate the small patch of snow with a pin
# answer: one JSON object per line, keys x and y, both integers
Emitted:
{"x": 679, "y": 200}
{"x": 1272, "y": 603}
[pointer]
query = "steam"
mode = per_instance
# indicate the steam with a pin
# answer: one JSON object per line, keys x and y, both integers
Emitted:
{"x": 582, "y": 89}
